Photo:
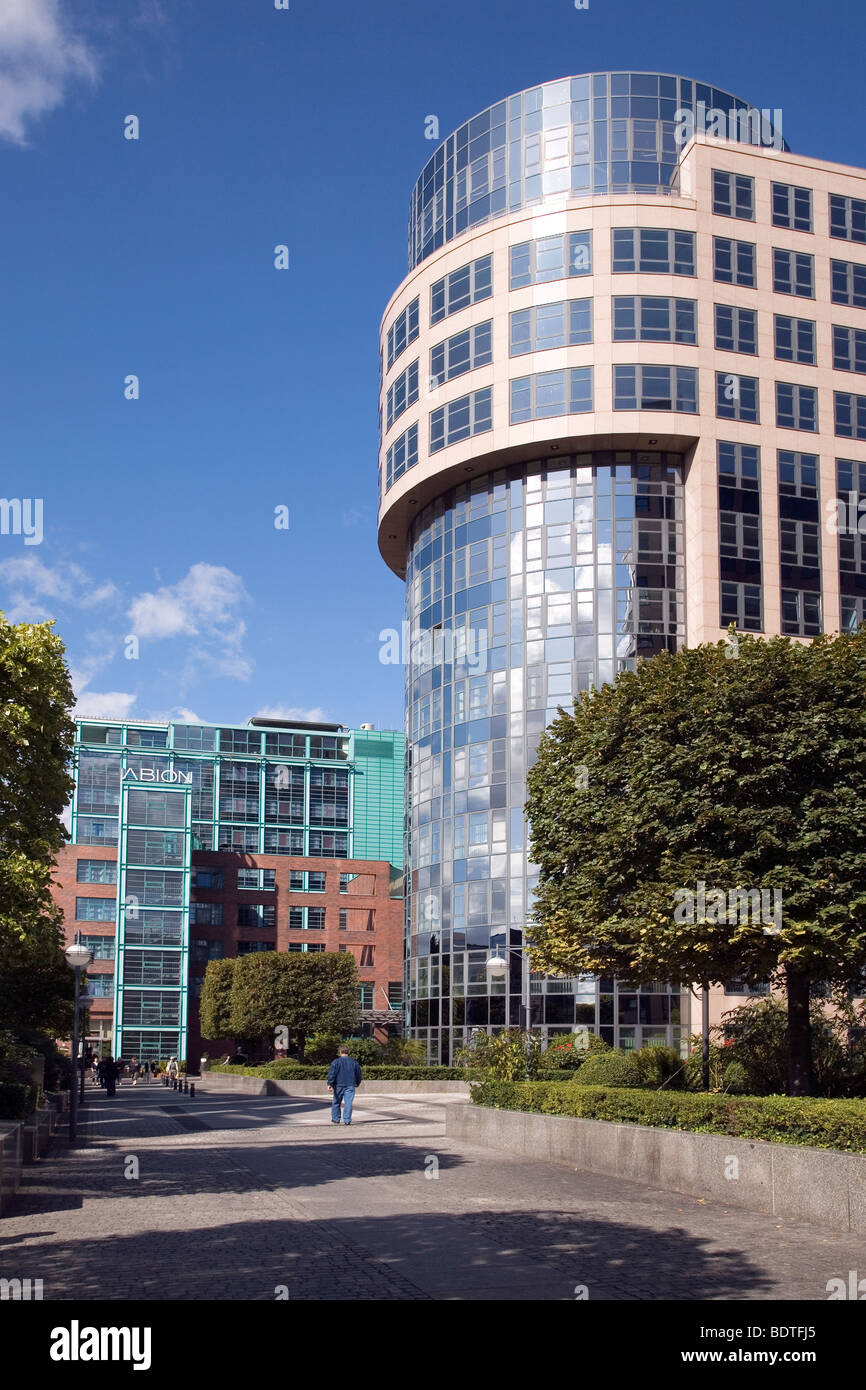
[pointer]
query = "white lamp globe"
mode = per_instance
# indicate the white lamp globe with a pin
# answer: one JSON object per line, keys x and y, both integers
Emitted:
{"x": 77, "y": 956}
{"x": 497, "y": 966}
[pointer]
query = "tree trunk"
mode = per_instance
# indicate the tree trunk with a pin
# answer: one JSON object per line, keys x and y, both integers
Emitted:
{"x": 302, "y": 1043}
{"x": 800, "y": 1080}
{"x": 705, "y": 1038}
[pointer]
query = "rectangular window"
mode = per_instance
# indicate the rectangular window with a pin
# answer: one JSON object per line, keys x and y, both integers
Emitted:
{"x": 345, "y": 880}
{"x": 315, "y": 919}
{"x": 316, "y": 882}
{"x": 328, "y": 845}
{"x": 796, "y": 406}
{"x": 848, "y": 283}
{"x": 792, "y": 207}
{"x": 850, "y": 414}
{"x": 739, "y": 536}
{"x": 344, "y": 919}
{"x": 95, "y": 909}
{"x": 234, "y": 839}
{"x": 794, "y": 273}
{"x": 284, "y": 842}
{"x": 96, "y": 871}
{"x": 211, "y": 878}
{"x": 849, "y": 349}
{"x": 248, "y": 948}
{"x": 365, "y": 994}
{"x": 402, "y": 393}
{"x": 156, "y": 808}
{"x": 799, "y": 542}
{"x": 736, "y": 397}
{"x": 739, "y": 466}
{"x": 100, "y": 947}
{"x": 741, "y": 605}
{"x": 403, "y": 331}
{"x": 734, "y": 262}
{"x": 461, "y": 353}
{"x": 206, "y": 914}
{"x": 204, "y": 949}
{"x": 646, "y": 387}
{"x": 801, "y": 613}
{"x": 798, "y": 474}
{"x": 297, "y": 881}
{"x": 847, "y": 218}
{"x": 256, "y": 915}
{"x": 795, "y": 339}
{"x": 461, "y": 288}
{"x": 648, "y": 319}
{"x": 733, "y": 195}
{"x": 736, "y": 329}
{"x": 461, "y": 418}
{"x": 568, "y": 392}
{"x": 402, "y": 455}
{"x": 550, "y": 258}
{"x": 194, "y": 736}
{"x": 566, "y": 324}
{"x": 653, "y": 250}
{"x": 395, "y": 994}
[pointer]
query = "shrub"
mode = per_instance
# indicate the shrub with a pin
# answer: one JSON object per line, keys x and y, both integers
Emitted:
{"x": 508, "y": 1055}
{"x": 364, "y": 1050}
{"x": 824, "y": 1124}
{"x": 14, "y": 1100}
{"x": 321, "y": 1047}
{"x": 609, "y": 1069}
{"x": 660, "y": 1066}
{"x": 408, "y": 1052}
{"x": 735, "y": 1079}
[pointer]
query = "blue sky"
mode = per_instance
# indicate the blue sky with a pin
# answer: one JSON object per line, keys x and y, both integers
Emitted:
{"x": 155, "y": 257}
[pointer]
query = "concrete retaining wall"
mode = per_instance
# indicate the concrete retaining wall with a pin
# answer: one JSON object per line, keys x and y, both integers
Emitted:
{"x": 799, "y": 1183}
{"x": 11, "y": 1160}
{"x": 256, "y": 1086}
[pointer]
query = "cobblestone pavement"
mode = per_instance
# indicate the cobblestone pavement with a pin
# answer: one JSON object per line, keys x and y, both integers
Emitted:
{"x": 269, "y": 1199}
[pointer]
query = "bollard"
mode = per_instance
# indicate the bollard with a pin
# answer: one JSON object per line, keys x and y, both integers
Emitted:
{"x": 185, "y": 1085}
{"x": 192, "y": 1090}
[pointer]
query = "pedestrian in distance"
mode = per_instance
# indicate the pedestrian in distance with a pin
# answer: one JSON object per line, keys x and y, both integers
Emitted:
{"x": 109, "y": 1071}
{"x": 133, "y": 1070}
{"x": 344, "y": 1076}
{"x": 172, "y": 1070}
{"x": 121, "y": 1067}
{"x": 147, "y": 1068}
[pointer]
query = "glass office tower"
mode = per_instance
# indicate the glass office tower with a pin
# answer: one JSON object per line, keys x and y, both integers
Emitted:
{"x": 600, "y": 437}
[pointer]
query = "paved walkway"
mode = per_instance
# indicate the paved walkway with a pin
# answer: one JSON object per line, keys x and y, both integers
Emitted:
{"x": 239, "y": 1197}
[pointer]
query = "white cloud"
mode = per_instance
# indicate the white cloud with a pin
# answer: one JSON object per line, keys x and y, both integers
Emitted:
{"x": 293, "y": 712}
{"x": 40, "y": 58}
{"x": 108, "y": 704}
{"x": 204, "y": 605}
{"x": 35, "y": 591}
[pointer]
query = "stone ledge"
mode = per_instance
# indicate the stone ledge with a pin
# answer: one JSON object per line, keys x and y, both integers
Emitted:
{"x": 821, "y": 1186}
{"x": 256, "y": 1086}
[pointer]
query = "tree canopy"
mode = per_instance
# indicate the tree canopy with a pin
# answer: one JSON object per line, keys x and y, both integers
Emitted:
{"x": 705, "y": 776}
{"x": 252, "y": 996}
{"x": 36, "y": 741}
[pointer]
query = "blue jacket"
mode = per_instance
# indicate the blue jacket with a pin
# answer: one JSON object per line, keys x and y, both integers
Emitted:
{"x": 343, "y": 1072}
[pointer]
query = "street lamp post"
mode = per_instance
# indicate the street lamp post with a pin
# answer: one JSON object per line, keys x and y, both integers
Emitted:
{"x": 497, "y": 969}
{"x": 77, "y": 958}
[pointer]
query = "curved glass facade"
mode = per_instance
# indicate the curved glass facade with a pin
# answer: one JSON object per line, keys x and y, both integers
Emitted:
{"x": 604, "y": 132}
{"x": 523, "y": 588}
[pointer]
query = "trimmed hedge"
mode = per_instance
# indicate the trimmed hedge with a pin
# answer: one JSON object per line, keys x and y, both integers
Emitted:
{"x": 290, "y": 1071}
{"x": 821, "y": 1124}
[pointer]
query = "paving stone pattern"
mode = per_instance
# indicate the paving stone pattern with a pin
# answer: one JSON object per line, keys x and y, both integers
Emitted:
{"x": 238, "y": 1197}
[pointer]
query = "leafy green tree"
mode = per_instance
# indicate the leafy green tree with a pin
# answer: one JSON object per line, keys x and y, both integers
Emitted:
{"x": 302, "y": 992}
{"x": 216, "y": 999}
{"x": 36, "y": 740}
{"x": 717, "y": 771}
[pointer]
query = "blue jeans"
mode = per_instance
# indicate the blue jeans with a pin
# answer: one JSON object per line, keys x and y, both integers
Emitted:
{"x": 343, "y": 1095}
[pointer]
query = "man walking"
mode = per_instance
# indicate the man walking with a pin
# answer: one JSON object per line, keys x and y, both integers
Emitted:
{"x": 344, "y": 1075}
{"x": 109, "y": 1071}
